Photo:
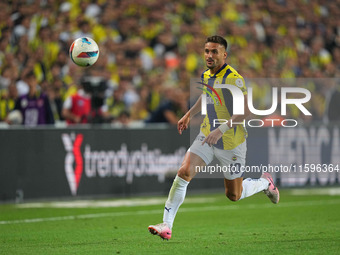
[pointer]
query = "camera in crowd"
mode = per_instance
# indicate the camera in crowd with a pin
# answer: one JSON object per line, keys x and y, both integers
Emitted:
{"x": 96, "y": 87}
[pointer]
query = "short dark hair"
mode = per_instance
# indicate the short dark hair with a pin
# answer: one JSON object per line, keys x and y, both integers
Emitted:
{"x": 217, "y": 39}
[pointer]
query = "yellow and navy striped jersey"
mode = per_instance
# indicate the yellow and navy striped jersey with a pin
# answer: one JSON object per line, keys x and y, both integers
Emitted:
{"x": 221, "y": 105}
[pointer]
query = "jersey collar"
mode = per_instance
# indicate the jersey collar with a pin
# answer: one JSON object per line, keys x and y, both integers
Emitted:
{"x": 219, "y": 70}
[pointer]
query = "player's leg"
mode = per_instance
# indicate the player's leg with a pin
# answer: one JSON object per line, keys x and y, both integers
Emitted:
{"x": 238, "y": 189}
{"x": 197, "y": 156}
{"x": 179, "y": 187}
{"x": 235, "y": 187}
{"x": 177, "y": 195}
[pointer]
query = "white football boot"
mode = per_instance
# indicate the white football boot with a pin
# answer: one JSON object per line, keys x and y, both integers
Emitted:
{"x": 161, "y": 230}
{"x": 272, "y": 192}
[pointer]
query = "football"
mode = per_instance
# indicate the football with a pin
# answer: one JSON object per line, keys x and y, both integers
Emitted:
{"x": 84, "y": 51}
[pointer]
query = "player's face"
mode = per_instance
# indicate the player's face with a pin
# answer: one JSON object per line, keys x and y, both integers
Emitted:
{"x": 215, "y": 55}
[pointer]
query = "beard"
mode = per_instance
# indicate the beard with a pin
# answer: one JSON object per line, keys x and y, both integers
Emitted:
{"x": 211, "y": 64}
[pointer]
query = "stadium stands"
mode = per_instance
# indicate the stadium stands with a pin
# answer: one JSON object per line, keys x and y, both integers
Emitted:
{"x": 148, "y": 48}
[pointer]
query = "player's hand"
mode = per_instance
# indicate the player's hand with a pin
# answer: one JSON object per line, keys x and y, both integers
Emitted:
{"x": 213, "y": 137}
{"x": 183, "y": 123}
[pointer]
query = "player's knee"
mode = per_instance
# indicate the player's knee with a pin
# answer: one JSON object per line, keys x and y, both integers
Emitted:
{"x": 184, "y": 172}
{"x": 233, "y": 196}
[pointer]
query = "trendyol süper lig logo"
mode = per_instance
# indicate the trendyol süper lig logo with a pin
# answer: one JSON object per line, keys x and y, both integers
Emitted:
{"x": 83, "y": 163}
{"x": 72, "y": 144}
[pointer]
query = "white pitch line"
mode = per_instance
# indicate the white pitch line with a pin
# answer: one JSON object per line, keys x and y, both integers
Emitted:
{"x": 313, "y": 192}
{"x": 114, "y": 203}
{"x": 182, "y": 210}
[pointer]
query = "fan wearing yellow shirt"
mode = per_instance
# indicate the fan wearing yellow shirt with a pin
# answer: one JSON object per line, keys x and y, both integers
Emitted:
{"x": 226, "y": 142}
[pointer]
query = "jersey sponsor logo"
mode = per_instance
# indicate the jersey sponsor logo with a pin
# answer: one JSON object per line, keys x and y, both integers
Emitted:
{"x": 209, "y": 93}
{"x": 237, "y": 94}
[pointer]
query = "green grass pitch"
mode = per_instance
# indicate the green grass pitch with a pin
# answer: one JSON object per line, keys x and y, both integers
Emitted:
{"x": 207, "y": 224}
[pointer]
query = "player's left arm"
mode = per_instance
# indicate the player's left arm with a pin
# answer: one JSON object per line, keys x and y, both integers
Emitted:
{"x": 216, "y": 135}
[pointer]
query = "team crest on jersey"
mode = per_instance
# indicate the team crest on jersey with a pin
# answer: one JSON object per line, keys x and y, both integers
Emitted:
{"x": 239, "y": 83}
{"x": 234, "y": 158}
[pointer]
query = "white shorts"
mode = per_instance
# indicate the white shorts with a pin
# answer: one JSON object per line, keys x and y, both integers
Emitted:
{"x": 232, "y": 161}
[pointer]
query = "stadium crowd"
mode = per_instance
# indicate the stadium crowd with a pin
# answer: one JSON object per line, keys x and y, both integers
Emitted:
{"x": 149, "y": 50}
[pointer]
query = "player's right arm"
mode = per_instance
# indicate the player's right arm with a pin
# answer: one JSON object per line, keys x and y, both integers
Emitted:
{"x": 183, "y": 123}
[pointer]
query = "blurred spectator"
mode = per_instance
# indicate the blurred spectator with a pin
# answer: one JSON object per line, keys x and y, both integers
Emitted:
{"x": 124, "y": 118}
{"x": 84, "y": 30}
{"x": 77, "y": 108}
{"x": 320, "y": 57}
{"x": 6, "y": 78}
{"x": 86, "y": 105}
{"x": 139, "y": 110}
{"x": 172, "y": 109}
{"x": 333, "y": 106}
{"x": 54, "y": 92}
{"x": 116, "y": 104}
{"x": 7, "y": 100}
{"x": 34, "y": 106}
